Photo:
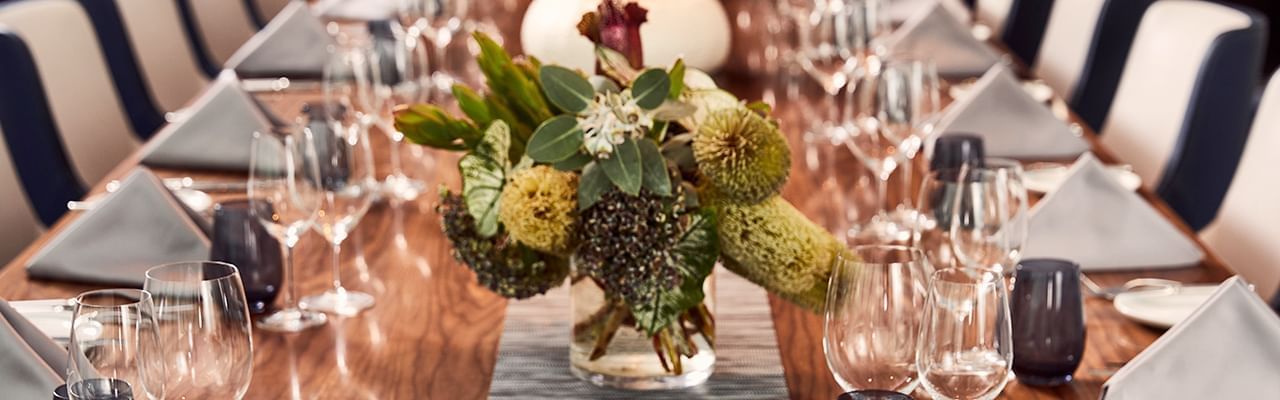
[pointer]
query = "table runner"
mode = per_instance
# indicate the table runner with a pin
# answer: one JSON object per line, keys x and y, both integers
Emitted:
{"x": 533, "y": 354}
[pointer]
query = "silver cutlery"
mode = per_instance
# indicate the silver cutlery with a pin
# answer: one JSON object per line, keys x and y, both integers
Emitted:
{"x": 1140, "y": 284}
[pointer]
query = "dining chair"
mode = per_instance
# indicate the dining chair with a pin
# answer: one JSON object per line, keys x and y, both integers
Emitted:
{"x": 1024, "y": 25}
{"x": 35, "y": 165}
{"x": 88, "y": 118}
{"x": 1248, "y": 224}
{"x": 216, "y": 28}
{"x": 1182, "y": 108}
{"x": 169, "y": 64}
{"x": 1084, "y": 49}
{"x": 992, "y": 13}
{"x": 263, "y": 10}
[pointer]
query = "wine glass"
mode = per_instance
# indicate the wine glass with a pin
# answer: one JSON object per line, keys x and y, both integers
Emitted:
{"x": 203, "y": 321}
{"x": 836, "y": 39}
{"x": 989, "y": 218}
{"x": 441, "y": 20}
{"x": 932, "y": 230}
{"x": 284, "y": 192}
{"x": 347, "y": 181}
{"x": 874, "y": 300}
{"x": 401, "y": 77}
{"x": 965, "y": 347}
{"x": 114, "y": 353}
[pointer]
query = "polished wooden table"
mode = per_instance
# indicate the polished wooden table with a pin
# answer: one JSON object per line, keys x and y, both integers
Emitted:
{"x": 434, "y": 333}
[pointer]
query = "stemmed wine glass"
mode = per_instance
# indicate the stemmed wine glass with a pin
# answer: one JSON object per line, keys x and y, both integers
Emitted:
{"x": 203, "y": 321}
{"x": 438, "y": 21}
{"x": 837, "y": 49}
{"x": 114, "y": 353}
{"x": 284, "y": 193}
{"x": 347, "y": 180}
{"x": 874, "y": 300}
{"x": 966, "y": 345}
{"x": 989, "y": 218}
{"x": 401, "y": 77}
{"x": 934, "y": 208}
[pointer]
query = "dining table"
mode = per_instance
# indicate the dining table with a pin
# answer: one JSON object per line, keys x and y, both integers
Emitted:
{"x": 434, "y": 333}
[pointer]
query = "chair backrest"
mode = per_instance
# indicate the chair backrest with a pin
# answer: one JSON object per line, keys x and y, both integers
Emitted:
{"x": 221, "y": 27}
{"x": 1066, "y": 43}
{"x": 144, "y": 115}
{"x": 263, "y": 11}
{"x": 1024, "y": 28}
{"x": 1084, "y": 65}
{"x": 86, "y": 110}
{"x": 167, "y": 60}
{"x": 21, "y": 225}
{"x": 993, "y": 13}
{"x": 33, "y": 147}
{"x": 1182, "y": 108}
{"x": 1248, "y": 225}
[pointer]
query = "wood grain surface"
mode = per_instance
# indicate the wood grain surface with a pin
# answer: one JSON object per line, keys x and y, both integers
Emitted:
{"x": 433, "y": 333}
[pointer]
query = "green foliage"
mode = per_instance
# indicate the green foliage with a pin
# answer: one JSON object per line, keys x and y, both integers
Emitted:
{"x": 484, "y": 172}
{"x": 623, "y": 167}
{"x": 515, "y": 95}
{"x": 472, "y": 105}
{"x": 677, "y": 79}
{"x": 616, "y": 65}
{"x": 574, "y": 163}
{"x": 651, "y": 88}
{"x": 654, "y": 166}
{"x": 429, "y": 125}
{"x": 566, "y": 89}
{"x": 555, "y": 140}
{"x": 592, "y": 186}
{"x": 694, "y": 256}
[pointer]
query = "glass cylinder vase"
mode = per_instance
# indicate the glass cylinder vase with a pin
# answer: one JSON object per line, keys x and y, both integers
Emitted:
{"x": 608, "y": 349}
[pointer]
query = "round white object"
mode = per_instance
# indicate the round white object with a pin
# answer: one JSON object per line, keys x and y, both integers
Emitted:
{"x": 696, "y": 30}
{"x": 1162, "y": 310}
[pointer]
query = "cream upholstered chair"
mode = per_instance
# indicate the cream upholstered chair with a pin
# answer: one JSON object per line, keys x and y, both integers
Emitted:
{"x": 21, "y": 225}
{"x": 168, "y": 62}
{"x": 218, "y": 28}
{"x": 264, "y": 10}
{"x": 1247, "y": 228}
{"x": 993, "y": 13}
{"x": 1181, "y": 111}
{"x": 87, "y": 113}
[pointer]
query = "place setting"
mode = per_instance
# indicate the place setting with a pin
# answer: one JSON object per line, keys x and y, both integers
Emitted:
{"x": 633, "y": 199}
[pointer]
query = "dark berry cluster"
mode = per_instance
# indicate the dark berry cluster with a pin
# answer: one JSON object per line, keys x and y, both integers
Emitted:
{"x": 501, "y": 265}
{"x": 625, "y": 241}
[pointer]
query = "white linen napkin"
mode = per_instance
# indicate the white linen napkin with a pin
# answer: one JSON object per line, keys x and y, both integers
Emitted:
{"x": 902, "y": 10}
{"x": 32, "y": 365}
{"x": 357, "y": 10}
{"x": 941, "y": 36}
{"x": 139, "y": 226}
{"x": 1229, "y": 348}
{"x": 216, "y": 134}
{"x": 293, "y": 45}
{"x": 1094, "y": 221}
{"x": 1011, "y": 123}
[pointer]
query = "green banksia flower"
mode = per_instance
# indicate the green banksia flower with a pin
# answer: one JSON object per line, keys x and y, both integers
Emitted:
{"x": 503, "y": 266}
{"x": 774, "y": 245}
{"x": 742, "y": 155}
{"x": 538, "y": 208}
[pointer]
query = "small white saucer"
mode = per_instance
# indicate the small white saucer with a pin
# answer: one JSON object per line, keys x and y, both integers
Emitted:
{"x": 1161, "y": 309}
{"x": 1047, "y": 179}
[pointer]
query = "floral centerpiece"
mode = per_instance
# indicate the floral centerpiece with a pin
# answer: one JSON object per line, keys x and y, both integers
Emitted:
{"x": 633, "y": 183}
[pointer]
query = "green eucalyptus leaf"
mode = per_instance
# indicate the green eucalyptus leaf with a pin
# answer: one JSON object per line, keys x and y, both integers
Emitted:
{"x": 574, "y": 162}
{"x": 655, "y": 176}
{"x": 651, "y": 88}
{"x": 694, "y": 256}
{"x": 484, "y": 172}
{"x": 555, "y": 140}
{"x": 677, "y": 79}
{"x": 624, "y": 167}
{"x": 566, "y": 89}
{"x": 593, "y": 184}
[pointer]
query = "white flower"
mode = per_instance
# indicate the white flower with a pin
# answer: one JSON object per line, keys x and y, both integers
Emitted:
{"x": 610, "y": 120}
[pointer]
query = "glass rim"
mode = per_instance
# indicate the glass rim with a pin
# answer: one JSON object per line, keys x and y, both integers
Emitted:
{"x": 1041, "y": 265}
{"x": 228, "y": 271}
{"x": 916, "y": 254}
{"x": 143, "y": 297}
{"x": 984, "y": 278}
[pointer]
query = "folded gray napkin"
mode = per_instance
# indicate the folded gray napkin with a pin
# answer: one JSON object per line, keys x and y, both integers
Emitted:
{"x": 938, "y": 34}
{"x": 215, "y": 135}
{"x": 139, "y": 226}
{"x": 900, "y": 11}
{"x": 1094, "y": 221}
{"x": 293, "y": 45}
{"x": 1012, "y": 123}
{"x": 31, "y": 364}
{"x": 1228, "y": 348}
{"x": 357, "y": 10}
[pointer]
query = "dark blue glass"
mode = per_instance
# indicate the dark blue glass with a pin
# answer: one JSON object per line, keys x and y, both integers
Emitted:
{"x": 874, "y": 395}
{"x": 96, "y": 389}
{"x": 240, "y": 239}
{"x": 1048, "y": 321}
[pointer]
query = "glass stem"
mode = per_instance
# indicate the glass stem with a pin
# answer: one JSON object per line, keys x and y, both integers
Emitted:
{"x": 337, "y": 262}
{"x": 906, "y": 181}
{"x": 291, "y": 286}
{"x": 882, "y": 194}
{"x": 396, "y": 170}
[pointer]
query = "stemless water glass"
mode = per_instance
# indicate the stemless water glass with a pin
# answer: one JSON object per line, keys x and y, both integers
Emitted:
{"x": 240, "y": 239}
{"x": 114, "y": 352}
{"x": 344, "y": 162}
{"x": 874, "y": 301}
{"x": 284, "y": 193}
{"x": 989, "y": 218}
{"x": 203, "y": 321}
{"x": 402, "y": 77}
{"x": 965, "y": 347}
{"x": 1048, "y": 321}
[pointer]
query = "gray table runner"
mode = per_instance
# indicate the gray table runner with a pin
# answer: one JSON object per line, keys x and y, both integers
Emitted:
{"x": 533, "y": 355}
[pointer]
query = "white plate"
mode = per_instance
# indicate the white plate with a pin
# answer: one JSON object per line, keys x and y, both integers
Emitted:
{"x": 196, "y": 200}
{"x": 1161, "y": 309}
{"x": 53, "y": 317}
{"x": 1047, "y": 179}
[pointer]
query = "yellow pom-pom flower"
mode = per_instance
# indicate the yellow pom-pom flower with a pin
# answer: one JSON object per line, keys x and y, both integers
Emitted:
{"x": 742, "y": 155}
{"x": 539, "y": 208}
{"x": 774, "y": 245}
